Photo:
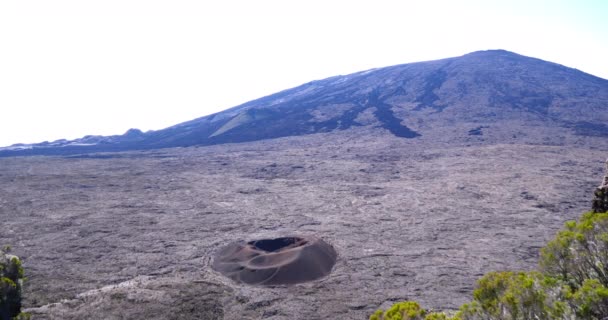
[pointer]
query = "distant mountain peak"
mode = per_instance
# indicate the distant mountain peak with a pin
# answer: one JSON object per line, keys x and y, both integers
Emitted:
{"x": 493, "y": 52}
{"x": 133, "y": 132}
{"x": 493, "y": 96}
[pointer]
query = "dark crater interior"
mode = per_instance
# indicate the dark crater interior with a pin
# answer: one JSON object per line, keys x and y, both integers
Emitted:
{"x": 274, "y": 245}
{"x": 278, "y": 261}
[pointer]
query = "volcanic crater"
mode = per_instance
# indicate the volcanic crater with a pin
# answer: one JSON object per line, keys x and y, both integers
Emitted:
{"x": 278, "y": 261}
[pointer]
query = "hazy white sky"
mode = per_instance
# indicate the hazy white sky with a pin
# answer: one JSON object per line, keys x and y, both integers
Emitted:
{"x": 71, "y": 68}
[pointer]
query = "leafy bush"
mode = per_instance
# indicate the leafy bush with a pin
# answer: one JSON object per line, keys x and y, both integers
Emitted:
{"x": 591, "y": 300}
{"x": 407, "y": 310}
{"x": 11, "y": 281}
{"x": 579, "y": 252}
{"x": 515, "y": 295}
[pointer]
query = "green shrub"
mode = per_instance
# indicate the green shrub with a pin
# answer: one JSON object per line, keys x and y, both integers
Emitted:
{"x": 591, "y": 300}
{"x": 407, "y": 310}
{"x": 579, "y": 252}
{"x": 11, "y": 281}
{"x": 436, "y": 316}
{"x": 515, "y": 295}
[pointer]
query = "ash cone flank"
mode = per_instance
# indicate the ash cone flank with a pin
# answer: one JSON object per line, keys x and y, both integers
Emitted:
{"x": 600, "y": 197}
{"x": 286, "y": 260}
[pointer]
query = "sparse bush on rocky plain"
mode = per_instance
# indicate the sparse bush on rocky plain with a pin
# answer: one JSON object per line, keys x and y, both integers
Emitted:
{"x": 572, "y": 281}
{"x": 11, "y": 282}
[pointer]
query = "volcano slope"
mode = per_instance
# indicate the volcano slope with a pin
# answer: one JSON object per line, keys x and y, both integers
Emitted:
{"x": 469, "y": 165}
{"x": 496, "y": 94}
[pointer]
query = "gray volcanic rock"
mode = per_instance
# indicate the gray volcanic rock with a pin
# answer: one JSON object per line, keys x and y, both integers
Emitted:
{"x": 142, "y": 298}
{"x": 492, "y": 94}
{"x": 412, "y": 219}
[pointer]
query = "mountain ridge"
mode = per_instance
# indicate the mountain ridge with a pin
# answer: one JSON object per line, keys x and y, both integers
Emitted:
{"x": 407, "y": 100}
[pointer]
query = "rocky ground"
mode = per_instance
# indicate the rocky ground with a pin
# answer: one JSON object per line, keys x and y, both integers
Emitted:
{"x": 132, "y": 235}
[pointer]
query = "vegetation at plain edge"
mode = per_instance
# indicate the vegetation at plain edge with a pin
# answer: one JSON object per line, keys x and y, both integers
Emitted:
{"x": 11, "y": 282}
{"x": 571, "y": 281}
